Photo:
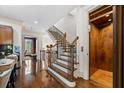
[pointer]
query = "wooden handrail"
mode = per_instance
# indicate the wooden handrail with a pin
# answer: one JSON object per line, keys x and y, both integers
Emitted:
{"x": 51, "y": 46}
{"x": 64, "y": 42}
{"x": 54, "y": 45}
{"x": 47, "y": 46}
{"x": 75, "y": 40}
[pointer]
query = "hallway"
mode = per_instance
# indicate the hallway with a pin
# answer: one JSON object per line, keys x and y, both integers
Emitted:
{"x": 31, "y": 76}
{"x": 77, "y": 53}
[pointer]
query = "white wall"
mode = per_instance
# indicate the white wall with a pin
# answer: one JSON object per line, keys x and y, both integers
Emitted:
{"x": 67, "y": 24}
{"x": 82, "y": 21}
{"x": 17, "y": 30}
{"x": 32, "y": 33}
{"x": 46, "y": 40}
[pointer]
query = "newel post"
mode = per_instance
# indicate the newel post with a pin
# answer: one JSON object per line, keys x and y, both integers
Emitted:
{"x": 49, "y": 54}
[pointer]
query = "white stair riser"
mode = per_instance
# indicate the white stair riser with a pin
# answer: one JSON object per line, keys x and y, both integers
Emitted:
{"x": 63, "y": 62}
{"x": 65, "y": 57}
{"x": 61, "y": 68}
{"x": 64, "y": 80}
{"x": 66, "y": 53}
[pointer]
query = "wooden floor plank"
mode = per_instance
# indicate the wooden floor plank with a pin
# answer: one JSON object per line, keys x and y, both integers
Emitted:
{"x": 103, "y": 77}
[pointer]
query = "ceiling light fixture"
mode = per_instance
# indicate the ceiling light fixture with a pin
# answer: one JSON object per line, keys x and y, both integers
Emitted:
{"x": 107, "y": 15}
{"x": 110, "y": 20}
{"x": 35, "y": 22}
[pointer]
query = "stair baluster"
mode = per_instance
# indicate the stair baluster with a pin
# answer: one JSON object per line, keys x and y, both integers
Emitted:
{"x": 71, "y": 66}
{"x": 49, "y": 51}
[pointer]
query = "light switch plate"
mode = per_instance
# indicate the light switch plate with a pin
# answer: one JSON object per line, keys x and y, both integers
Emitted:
{"x": 82, "y": 48}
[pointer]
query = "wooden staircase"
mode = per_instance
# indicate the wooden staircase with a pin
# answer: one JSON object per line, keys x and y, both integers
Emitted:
{"x": 65, "y": 64}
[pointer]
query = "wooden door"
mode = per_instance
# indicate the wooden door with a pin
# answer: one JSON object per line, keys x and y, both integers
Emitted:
{"x": 118, "y": 63}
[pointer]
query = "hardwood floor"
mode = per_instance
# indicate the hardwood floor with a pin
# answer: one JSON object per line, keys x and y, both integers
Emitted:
{"x": 102, "y": 77}
{"x": 31, "y": 76}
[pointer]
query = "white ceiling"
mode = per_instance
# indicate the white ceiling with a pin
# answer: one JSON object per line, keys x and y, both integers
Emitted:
{"x": 46, "y": 15}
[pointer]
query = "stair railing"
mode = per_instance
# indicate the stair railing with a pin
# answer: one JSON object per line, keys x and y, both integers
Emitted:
{"x": 65, "y": 41}
{"x": 72, "y": 51}
{"x": 75, "y": 41}
{"x": 61, "y": 41}
{"x": 71, "y": 48}
{"x": 49, "y": 52}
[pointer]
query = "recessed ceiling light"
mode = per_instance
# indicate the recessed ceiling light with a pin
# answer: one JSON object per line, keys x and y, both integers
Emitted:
{"x": 107, "y": 15}
{"x": 35, "y": 22}
{"x": 110, "y": 20}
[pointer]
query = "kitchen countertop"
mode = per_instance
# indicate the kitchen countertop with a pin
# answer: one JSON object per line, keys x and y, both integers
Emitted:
{"x": 4, "y": 62}
{"x": 5, "y": 75}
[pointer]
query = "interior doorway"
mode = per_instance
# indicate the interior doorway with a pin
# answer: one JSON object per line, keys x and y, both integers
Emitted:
{"x": 30, "y": 45}
{"x": 101, "y": 45}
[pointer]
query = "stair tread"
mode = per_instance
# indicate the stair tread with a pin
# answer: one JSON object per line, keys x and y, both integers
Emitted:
{"x": 63, "y": 65}
{"x": 68, "y": 51}
{"x": 66, "y": 66}
{"x": 62, "y": 73}
{"x": 66, "y": 70}
{"x": 66, "y": 55}
{"x": 67, "y": 60}
{"x": 67, "y": 47}
{"x": 61, "y": 61}
{"x": 61, "y": 79}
